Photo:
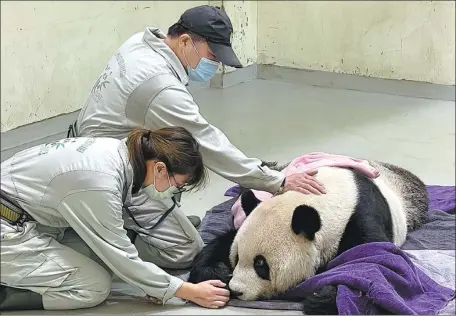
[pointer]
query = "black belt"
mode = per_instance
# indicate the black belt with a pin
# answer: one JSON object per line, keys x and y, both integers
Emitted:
{"x": 11, "y": 212}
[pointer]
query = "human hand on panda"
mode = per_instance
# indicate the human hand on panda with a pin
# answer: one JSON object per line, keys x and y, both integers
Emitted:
{"x": 305, "y": 183}
{"x": 209, "y": 294}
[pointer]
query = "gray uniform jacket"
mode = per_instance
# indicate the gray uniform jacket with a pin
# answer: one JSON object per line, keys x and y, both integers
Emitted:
{"x": 83, "y": 183}
{"x": 144, "y": 85}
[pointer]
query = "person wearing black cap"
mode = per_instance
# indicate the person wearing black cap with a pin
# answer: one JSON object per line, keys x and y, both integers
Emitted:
{"x": 211, "y": 29}
{"x": 144, "y": 85}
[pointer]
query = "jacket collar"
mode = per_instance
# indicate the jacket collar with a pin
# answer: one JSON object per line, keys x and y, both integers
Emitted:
{"x": 153, "y": 37}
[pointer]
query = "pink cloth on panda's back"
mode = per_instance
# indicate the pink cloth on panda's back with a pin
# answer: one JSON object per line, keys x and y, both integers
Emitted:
{"x": 306, "y": 163}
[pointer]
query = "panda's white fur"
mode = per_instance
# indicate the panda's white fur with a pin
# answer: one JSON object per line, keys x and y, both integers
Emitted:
{"x": 292, "y": 258}
{"x": 354, "y": 210}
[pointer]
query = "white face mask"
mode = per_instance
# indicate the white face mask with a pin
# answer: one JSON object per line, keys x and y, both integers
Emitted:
{"x": 152, "y": 192}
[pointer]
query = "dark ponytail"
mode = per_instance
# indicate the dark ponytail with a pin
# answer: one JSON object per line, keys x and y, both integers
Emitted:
{"x": 174, "y": 146}
{"x": 136, "y": 154}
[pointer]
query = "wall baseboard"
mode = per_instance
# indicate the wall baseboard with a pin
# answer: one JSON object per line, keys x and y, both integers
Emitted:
{"x": 335, "y": 80}
{"x": 358, "y": 83}
{"x": 235, "y": 77}
{"x": 54, "y": 128}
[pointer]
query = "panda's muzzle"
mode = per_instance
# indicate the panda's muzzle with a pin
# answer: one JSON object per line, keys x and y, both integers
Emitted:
{"x": 235, "y": 294}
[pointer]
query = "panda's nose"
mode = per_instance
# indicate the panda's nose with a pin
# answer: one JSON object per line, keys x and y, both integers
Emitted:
{"x": 235, "y": 294}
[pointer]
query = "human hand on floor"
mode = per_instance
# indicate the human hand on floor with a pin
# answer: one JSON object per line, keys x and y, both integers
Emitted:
{"x": 210, "y": 294}
{"x": 305, "y": 183}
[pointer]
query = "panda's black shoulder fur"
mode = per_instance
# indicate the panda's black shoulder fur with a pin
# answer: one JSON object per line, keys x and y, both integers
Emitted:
{"x": 213, "y": 262}
{"x": 371, "y": 220}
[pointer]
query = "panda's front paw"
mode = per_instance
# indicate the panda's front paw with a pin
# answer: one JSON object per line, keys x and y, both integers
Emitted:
{"x": 220, "y": 271}
{"x": 322, "y": 302}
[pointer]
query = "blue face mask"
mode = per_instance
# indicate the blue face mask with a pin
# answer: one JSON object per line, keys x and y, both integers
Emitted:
{"x": 205, "y": 70}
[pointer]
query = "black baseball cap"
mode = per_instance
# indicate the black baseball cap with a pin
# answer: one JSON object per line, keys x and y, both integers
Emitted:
{"x": 215, "y": 26}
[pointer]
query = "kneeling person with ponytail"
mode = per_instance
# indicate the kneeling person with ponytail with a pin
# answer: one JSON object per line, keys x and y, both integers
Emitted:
{"x": 81, "y": 185}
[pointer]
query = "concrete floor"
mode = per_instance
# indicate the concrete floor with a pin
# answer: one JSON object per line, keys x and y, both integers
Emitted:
{"x": 279, "y": 121}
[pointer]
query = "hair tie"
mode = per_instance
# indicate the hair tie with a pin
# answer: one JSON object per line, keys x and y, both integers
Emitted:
{"x": 148, "y": 135}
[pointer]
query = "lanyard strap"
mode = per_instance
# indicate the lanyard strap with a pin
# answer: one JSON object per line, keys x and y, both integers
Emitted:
{"x": 159, "y": 221}
{"x": 72, "y": 130}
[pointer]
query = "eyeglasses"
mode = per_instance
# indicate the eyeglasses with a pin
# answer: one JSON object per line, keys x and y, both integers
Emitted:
{"x": 180, "y": 188}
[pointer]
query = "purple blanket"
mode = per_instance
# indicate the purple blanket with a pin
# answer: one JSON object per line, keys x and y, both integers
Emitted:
{"x": 442, "y": 198}
{"x": 393, "y": 282}
{"x": 376, "y": 278}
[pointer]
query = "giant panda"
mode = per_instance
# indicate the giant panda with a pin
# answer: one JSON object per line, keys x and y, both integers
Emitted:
{"x": 292, "y": 236}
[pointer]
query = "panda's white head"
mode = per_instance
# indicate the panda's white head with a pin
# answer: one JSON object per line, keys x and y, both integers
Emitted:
{"x": 274, "y": 248}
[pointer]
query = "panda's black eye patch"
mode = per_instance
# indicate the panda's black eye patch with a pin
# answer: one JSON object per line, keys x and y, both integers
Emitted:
{"x": 261, "y": 267}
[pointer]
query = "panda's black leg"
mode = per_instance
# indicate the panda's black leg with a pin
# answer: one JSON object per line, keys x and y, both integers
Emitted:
{"x": 213, "y": 262}
{"x": 322, "y": 302}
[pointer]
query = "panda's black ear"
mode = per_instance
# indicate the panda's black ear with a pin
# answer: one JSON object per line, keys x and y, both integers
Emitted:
{"x": 306, "y": 221}
{"x": 249, "y": 201}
